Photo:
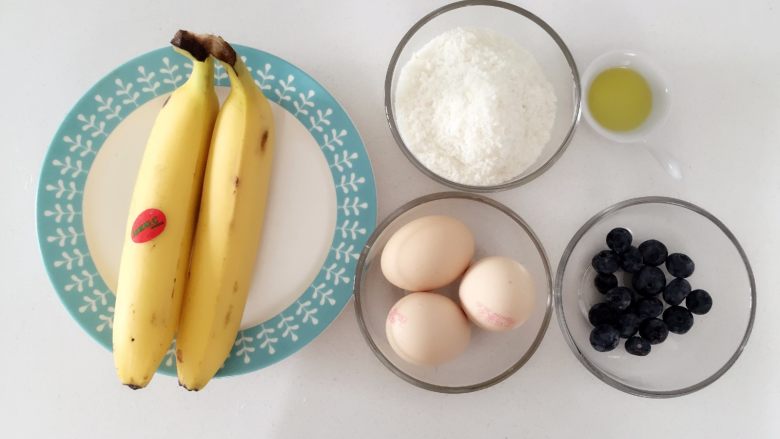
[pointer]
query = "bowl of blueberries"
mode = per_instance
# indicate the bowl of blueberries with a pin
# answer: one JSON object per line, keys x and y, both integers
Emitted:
{"x": 655, "y": 296}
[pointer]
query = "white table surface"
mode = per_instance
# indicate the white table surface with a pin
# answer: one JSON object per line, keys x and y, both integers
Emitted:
{"x": 724, "y": 62}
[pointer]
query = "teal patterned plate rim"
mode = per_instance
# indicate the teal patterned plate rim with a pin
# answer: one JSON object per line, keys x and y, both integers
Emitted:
{"x": 79, "y": 139}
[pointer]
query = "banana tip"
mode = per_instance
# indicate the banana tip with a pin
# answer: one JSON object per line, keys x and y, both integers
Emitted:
{"x": 193, "y": 389}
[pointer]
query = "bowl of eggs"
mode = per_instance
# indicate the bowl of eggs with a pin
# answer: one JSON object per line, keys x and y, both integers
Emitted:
{"x": 453, "y": 292}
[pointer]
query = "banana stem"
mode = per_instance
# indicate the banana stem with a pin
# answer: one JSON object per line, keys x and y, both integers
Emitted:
{"x": 223, "y": 51}
{"x": 200, "y": 46}
{"x": 191, "y": 43}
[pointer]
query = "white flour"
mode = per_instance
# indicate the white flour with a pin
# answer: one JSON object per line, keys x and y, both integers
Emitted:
{"x": 474, "y": 107}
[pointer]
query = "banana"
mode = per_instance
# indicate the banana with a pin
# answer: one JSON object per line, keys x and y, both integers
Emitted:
{"x": 160, "y": 225}
{"x": 230, "y": 222}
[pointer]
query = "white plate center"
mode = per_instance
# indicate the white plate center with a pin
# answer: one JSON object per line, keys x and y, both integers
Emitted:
{"x": 300, "y": 216}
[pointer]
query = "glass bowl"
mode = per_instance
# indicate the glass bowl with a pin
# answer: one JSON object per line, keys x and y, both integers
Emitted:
{"x": 490, "y": 357}
{"x": 661, "y": 92}
{"x": 533, "y": 34}
{"x": 656, "y": 79}
{"x": 683, "y": 363}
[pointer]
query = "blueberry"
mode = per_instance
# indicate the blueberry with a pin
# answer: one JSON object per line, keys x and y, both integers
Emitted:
{"x": 699, "y": 302}
{"x": 605, "y": 282}
{"x": 635, "y": 298}
{"x": 637, "y": 346}
{"x": 627, "y": 324}
{"x": 604, "y": 338}
{"x": 653, "y": 330}
{"x": 619, "y": 298}
{"x": 606, "y": 261}
{"x": 649, "y": 281}
{"x": 676, "y": 290}
{"x": 602, "y": 314}
{"x": 649, "y": 307}
{"x": 631, "y": 260}
{"x": 653, "y": 252}
{"x": 619, "y": 239}
{"x": 678, "y": 319}
{"x": 679, "y": 265}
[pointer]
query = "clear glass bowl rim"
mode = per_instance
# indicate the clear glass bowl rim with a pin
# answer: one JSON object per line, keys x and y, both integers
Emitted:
{"x": 358, "y": 302}
{"x": 558, "y": 296}
{"x": 577, "y": 114}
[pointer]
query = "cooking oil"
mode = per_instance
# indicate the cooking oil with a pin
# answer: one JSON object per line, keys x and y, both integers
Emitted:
{"x": 620, "y": 99}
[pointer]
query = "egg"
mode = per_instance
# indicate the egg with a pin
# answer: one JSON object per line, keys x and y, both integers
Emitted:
{"x": 497, "y": 293}
{"x": 427, "y": 329}
{"x": 427, "y": 253}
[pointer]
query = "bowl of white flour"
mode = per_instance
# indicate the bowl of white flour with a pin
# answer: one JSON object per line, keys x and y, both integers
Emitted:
{"x": 482, "y": 96}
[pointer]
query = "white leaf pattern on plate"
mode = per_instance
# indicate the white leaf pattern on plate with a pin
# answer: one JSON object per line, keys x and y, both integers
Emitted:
{"x": 307, "y": 312}
{"x": 303, "y": 103}
{"x": 65, "y": 236}
{"x": 265, "y": 76}
{"x": 148, "y": 79}
{"x": 322, "y": 119}
{"x": 91, "y": 124}
{"x": 352, "y": 206}
{"x": 335, "y": 273}
{"x": 351, "y": 230}
{"x": 107, "y": 106}
{"x": 107, "y": 320}
{"x": 84, "y": 148}
{"x": 68, "y": 214}
{"x": 267, "y": 342}
{"x": 70, "y": 260}
{"x": 60, "y": 190}
{"x": 286, "y": 87}
{"x": 80, "y": 281}
{"x": 347, "y": 253}
{"x": 351, "y": 184}
{"x": 126, "y": 90}
{"x": 93, "y": 302}
{"x": 173, "y": 78}
{"x": 66, "y": 166}
{"x": 324, "y": 295}
{"x": 335, "y": 138}
{"x": 244, "y": 348}
{"x": 343, "y": 162}
{"x": 286, "y": 322}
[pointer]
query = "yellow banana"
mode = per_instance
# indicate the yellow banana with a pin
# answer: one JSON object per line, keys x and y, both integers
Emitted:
{"x": 160, "y": 225}
{"x": 230, "y": 222}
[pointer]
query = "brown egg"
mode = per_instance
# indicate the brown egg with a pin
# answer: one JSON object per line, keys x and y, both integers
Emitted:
{"x": 497, "y": 293}
{"x": 427, "y": 329}
{"x": 427, "y": 253}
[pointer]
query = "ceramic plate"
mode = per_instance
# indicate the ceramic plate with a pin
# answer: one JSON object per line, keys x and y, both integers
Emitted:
{"x": 321, "y": 209}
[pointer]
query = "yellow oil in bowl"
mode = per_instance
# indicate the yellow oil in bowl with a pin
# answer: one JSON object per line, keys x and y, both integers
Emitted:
{"x": 620, "y": 99}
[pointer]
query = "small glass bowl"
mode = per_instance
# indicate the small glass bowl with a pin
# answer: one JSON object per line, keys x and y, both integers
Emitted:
{"x": 520, "y": 25}
{"x": 683, "y": 363}
{"x": 661, "y": 92}
{"x": 656, "y": 79}
{"x": 491, "y": 357}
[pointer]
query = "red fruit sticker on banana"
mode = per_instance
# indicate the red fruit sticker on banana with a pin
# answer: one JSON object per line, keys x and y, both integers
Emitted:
{"x": 148, "y": 225}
